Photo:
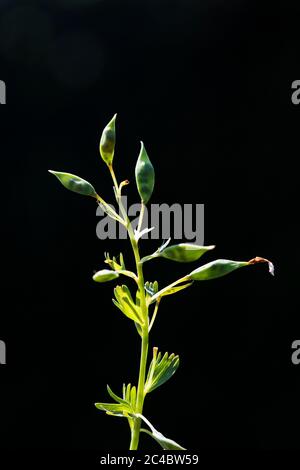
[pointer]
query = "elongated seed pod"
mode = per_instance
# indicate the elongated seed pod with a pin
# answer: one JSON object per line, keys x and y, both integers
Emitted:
{"x": 221, "y": 267}
{"x": 215, "y": 269}
{"x": 108, "y": 141}
{"x": 105, "y": 275}
{"x": 144, "y": 175}
{"x": 75, "y": 183}
{"x": 185, "y": 252}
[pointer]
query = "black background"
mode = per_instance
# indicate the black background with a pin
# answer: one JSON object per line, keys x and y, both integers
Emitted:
{"x": 207, "y": 87}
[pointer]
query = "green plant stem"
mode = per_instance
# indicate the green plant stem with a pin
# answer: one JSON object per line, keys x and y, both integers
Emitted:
{"x": 141, "y": 217}
{"x": 135, "y": 433}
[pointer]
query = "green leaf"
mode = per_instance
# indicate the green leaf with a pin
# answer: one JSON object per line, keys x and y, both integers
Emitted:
{"x": 126, "y": 304}
{"x": 108, "y": 141}
{"x": 161, "y": 369}
{"x": 113, "y": 262}
{"x": 169, "y": 290}
{"x": 127, "y": 392}
{"x": 75, "y": 183}
{"x": 115, "y": 409}
{"x": 133, "y": 397}
{"x": 129, "y": 395}
{"x": 105, "y": 275}
{"x": 184, "y": 252}
{"x": 121, "y": 408}
{"x": 221, "y": 267}
{"x": 115, "y": 397}
{"x": 151, "y": 287}
{"x": 144, "y": 175}
{"x": 166, "y": 444}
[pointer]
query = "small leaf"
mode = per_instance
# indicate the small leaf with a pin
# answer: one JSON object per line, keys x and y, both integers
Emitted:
{"x": 116, "y": 409}
{"x": 122, "y": 261}
{"x": 184, "y": 252}
{"x": 164, "y": 245}
{"x": 75, "y": 183}
{"x": 105, "y": 275}
{"x": 144, "y": 175}
{"x": 108, "y": 141}
{"x": 126, "y": 304}
{"x": 121, "y": 408}
{"x": 166, "y": 444}
{"x": 128, "y": 388}
{"x": 161, "y": 369}
{"x": 129, "y": 397}
{"x": 151, "y": 287}
{"x": 133, "y": 397}
{"x": 113, "y": 262}
{"x": 138, "y": 235}
{"x": 169, "y": 290}
{"x": 116, "y": 398}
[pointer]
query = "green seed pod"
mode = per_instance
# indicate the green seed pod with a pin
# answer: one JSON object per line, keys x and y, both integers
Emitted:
{"x": 144, "y": 175}
{"x": 75, "y": 183}
{"x": 217, "y": 268}
{"x": 185, "y": 252}
{"x": 108, "y": 141}
{"x": 105, "y": 275}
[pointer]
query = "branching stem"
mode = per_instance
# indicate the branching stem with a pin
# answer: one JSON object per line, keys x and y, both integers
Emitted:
{"x": 135, "y": 432}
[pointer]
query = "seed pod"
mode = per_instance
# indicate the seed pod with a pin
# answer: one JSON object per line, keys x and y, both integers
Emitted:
{"x": 217, "y": 268}
{"x": 144, "y": 175}
{"x": 75, "y": 183}
{"x": 105, "y": 275}
{"x": 185, "y": 252}
{"x": 107, "y": 142}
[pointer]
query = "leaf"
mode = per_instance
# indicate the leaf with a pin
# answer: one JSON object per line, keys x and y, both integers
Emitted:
{"x": 115, "y": 409}
{"x": 221, "y": 267}
{"x": 115, "y": 397}
{"x": 105, "y": 275}
{"x": 126, "y": 304}
{"x": 108, "y": 141}
{"x": 184, "y": 252}
{"x": 151, "y": 288}
{"x": 166, "y": 443}
{"x": 138, "y": 235}
{"x": 168, "y": 291}
{"x": 144, "y": 175}
{"x": 129, "y": 394}
{"x": 122, "y": 408}
{"x": 161, "y": 369}
{"x": 133, "y": 397}
{"x": 113, "y": 262}
{"x": 75, "y": 183}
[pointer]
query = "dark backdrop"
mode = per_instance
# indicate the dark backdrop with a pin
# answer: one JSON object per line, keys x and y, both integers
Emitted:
{"x": 207, "y": 86}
